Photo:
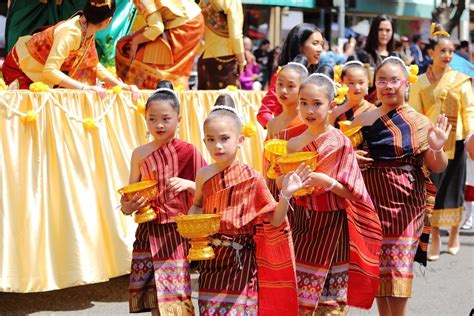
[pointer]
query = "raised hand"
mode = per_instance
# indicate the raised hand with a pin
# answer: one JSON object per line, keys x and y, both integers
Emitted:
{"x": 438, "y": 133}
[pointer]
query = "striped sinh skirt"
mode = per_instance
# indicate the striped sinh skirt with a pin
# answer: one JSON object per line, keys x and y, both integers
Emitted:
{"x": 449, "y": 204}
{"x": 159, "y": 275}
{"x": 228, "y": 283}
{"x": 399, "y": 197}
{"x": 321, "y": 241}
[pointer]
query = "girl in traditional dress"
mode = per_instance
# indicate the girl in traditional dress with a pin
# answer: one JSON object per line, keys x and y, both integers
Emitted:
{"x": 163, "y": 50}
{"x": 442, "y": 90}
{"x": 159, "y": 279}
{"x": 240, "y": 280}
{"x": 304, "y": 39}
{"x": 354, "y": 75}
{"x": 400, "y": 140}
{"x": 337, "y": 241}
{"x": 64, "y": 54}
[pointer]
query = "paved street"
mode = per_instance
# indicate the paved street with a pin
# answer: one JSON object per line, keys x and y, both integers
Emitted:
{"x": 446, "y": 287}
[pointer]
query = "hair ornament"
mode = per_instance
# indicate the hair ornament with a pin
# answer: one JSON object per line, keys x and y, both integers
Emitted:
{"x": 101, "y": 3}
{"x": 341, "y": 92}
{"x": 248, "y": 129}
{"x": 299, "y": 65}
{"x": 338, "y": 73}
{"x": 166, "y": 90}
{"x": 437, "y": 33}
{"x": 413, "y": 73}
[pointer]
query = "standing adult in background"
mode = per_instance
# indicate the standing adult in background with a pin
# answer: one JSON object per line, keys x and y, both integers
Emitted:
{"x": 463, "y": 50}
{"x": 442, "y": 90}
{"x": 165, "y": 48}
{"x": 304, "y": 39}
{"x": 223, "y": 58}
{"x": 378, "y": 46}
{"x": 262, "y": 54}
{"x": 64, "y": 54}
{"x": 405, "y": 53}
{"x": 418, "y": 52}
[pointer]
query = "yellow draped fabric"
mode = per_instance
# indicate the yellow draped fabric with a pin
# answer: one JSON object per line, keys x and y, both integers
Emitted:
{"x": 60, "y": 225}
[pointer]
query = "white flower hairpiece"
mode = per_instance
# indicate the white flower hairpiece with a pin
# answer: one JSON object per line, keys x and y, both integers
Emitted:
{"x": 167, "y": 90}
{"x": 299, "y": 65}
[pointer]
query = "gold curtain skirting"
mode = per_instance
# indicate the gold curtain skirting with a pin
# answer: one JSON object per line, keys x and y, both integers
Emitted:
{"x": 59, "y": 222}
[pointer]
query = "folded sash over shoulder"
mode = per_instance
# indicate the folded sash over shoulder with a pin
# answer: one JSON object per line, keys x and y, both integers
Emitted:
{"x": 240, "y": 193}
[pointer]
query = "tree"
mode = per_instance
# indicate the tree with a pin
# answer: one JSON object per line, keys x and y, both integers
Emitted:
{"x": 443, "y": 13}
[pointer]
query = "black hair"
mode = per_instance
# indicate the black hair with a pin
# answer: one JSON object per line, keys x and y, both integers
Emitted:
{"x": 295, "y": 40}
{"x": 165, "y": 84}
{"x": 372, "y": 43}
{"x": 226, "y": 100}
{"x": 302, "y": 71}
{"x": 264, "y": 42}
{"x": 463, "y": 44}
{"x": 434, "y": 40}
{"x": 321, "y": 82}
{"x": 325, "y": 70}
{"x": 97, "y": 11}
{"x": 345, "y": 68}
{"x": 164, "y": 95}
{"x": 416, "y": 37}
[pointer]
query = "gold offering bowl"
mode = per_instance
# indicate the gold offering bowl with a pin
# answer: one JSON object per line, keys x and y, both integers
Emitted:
{"x": 198, "y": 227}
{"x": 291, "y": 162}
{"x": 274, "y": 148}
{"x": 354, "y": 133}
{"x": 147, "y": 189}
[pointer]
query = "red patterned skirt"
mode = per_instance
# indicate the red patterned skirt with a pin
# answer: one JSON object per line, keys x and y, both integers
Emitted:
{"x": 399, "y": 198}
{"x": 159, "y": 276}
{"x": 321, "y": 241}
{"x": 228, "y": 283}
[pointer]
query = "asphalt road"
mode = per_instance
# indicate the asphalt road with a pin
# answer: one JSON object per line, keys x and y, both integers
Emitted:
{"x": 445, "y": 287}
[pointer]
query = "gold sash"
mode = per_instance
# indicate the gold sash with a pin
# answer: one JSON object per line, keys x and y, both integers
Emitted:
{"x": 443, "y": 97}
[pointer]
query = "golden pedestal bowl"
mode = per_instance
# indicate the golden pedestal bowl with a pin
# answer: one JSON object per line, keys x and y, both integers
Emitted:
{"x": 147, "y": 189}
{"x": 354, "y": 133}
{"x": 198, "y": 227}
{"x": 292, "y": 161}
{"x": 274, "y": 148}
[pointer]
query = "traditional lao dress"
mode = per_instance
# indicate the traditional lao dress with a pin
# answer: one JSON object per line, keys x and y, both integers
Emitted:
{"x": 336, "y": 241}
{"x": 160, "y": 271}
{"x": 402, "y": 194}
{"x": 252, "y": 272}
{"x": 351, "y": 113}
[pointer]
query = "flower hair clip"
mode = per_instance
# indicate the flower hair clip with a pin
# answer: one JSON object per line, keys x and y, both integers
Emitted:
{"x": 338, "y": 73}
{"x": 341, "y": 92}
{"x": 248, "y": 129}
{"x": 413, "y": 73}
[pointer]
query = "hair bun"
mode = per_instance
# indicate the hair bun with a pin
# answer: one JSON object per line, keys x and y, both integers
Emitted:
{"x": 101, "y": 3}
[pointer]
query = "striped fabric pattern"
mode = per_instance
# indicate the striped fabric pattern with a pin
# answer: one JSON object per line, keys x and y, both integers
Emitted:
{"x": 360, "y": 223}
{"x": 402, "y": 194}
{"x": 159, "y": 275}
{"x": 240, "y": 193}
{"x": 351, "y": 113}
{"x": 174, "y": 159}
